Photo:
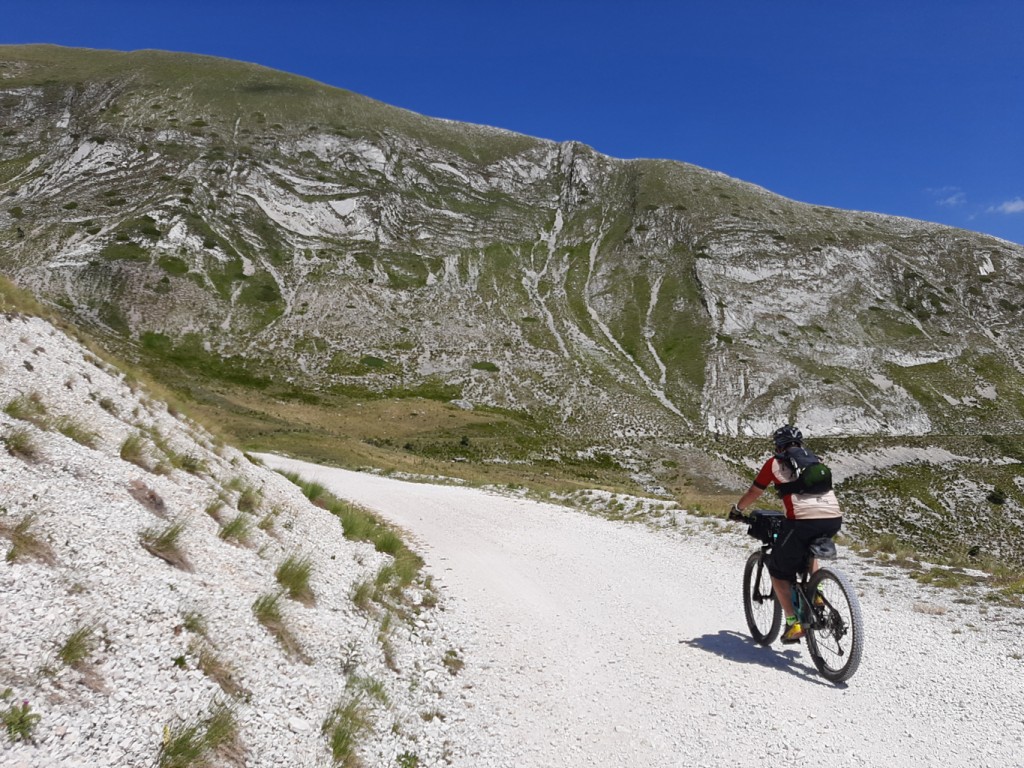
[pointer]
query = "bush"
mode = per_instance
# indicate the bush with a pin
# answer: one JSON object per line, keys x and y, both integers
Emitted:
{"x": 997, "y": 497}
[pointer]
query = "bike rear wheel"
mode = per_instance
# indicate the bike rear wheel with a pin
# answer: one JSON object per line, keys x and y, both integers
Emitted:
{"x": 764, "y": 615}
{"x": 835, "y": 638}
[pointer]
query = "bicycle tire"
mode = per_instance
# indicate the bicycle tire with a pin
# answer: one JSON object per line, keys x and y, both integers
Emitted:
{"x": 835, "y": 638}
{"x": 763, "y": 612}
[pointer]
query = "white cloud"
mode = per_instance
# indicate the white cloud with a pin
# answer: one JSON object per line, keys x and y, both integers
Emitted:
{"x": 1009, "y": 207}
{"x": 949, "y": 197}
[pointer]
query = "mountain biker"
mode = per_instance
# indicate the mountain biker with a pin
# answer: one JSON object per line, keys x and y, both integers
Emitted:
{"x": 808, "y": 516}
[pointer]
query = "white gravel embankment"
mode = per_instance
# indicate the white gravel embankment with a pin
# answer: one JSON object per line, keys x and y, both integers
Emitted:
{"x": 142, "y": 678}
{"x": 590, "y": 642}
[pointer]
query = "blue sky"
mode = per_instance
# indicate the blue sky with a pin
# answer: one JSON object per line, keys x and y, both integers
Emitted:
{"x": 905, "y": 107}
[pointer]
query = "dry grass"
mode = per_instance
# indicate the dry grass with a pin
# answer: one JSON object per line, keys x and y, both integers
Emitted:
{"x": 25, "y": 543}
{"x": 930, "y": 609}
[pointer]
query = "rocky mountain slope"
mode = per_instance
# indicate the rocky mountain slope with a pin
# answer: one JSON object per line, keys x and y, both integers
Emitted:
{"x": 257, "y": 228}
{"x": 138, "y": 648}
{"x": 214, "y": 211}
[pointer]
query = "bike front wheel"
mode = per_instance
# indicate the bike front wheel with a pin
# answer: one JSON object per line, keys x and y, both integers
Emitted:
{"x": 763, "y": 612}
{"x": 835, "y": 637}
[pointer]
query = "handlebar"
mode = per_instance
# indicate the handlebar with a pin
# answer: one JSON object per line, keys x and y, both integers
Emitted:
{"x": 736, "y": 515}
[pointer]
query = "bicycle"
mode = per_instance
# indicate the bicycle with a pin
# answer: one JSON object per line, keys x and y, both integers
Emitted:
{"x": 825, "y": 602}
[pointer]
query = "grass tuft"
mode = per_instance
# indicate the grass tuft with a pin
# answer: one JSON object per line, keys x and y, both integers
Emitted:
{"x": 28, "y": 408}
{"x": 21, "y": 443}
{"x": 267, "y": 609}
{"x": 343, "y": 727}
{"x": 194, "y": 743}
{"x": 74, "y": 429}
{"x": 78, "y": 646}
{"x": 236, "y": 530}
{"x": 133, "y": 450}
{"x": 293, "y": 574}
{"x": 165, "y": 544}
{"x": 25, "y": 543}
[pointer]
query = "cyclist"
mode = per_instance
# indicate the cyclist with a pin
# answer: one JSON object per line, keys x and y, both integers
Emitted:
{"x": 808, "y": 516}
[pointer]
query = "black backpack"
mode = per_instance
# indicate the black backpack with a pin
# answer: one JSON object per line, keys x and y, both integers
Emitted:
{"x": 812, "y": 476}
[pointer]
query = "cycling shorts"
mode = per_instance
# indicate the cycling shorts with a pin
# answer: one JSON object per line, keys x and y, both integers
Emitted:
{"x": 789, "y": 555}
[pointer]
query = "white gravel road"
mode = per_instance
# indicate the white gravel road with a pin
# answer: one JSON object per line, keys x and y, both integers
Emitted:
{"x": 589, "y": 642}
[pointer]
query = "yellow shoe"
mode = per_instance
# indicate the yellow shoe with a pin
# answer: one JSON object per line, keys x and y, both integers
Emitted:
{"x": 818, "y": 601}
{"x": 793, "y": 633}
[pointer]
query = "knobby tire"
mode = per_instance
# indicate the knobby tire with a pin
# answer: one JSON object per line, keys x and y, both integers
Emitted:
{"x": 837, "y": 644}
{"x": 764, "y": 615}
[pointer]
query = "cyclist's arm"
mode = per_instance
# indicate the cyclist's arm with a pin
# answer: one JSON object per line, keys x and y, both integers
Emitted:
{"x": 764, "y": 478}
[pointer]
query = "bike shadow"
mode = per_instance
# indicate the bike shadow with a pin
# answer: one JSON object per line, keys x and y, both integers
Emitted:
{"x": 741, "y": 649}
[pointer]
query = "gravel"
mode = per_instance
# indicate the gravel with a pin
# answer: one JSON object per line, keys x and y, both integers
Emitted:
{"x": 141, "y": 679}
{"x": 595, "y": 642}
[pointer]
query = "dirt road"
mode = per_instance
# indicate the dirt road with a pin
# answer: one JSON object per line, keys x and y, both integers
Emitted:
{"x": 598, "y": 643}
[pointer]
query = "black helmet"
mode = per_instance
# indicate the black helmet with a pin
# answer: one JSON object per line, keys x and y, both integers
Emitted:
{"x": 785, "y": 435}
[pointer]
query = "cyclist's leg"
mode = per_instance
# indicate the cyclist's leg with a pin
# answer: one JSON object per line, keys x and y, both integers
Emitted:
{"x": 787, "y": 559}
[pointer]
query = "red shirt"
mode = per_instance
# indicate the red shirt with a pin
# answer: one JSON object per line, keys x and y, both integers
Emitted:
{"x": 798, "y": 506}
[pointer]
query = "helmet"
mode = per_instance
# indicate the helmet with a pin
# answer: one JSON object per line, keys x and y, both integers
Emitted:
{"x": 785, "y": 435}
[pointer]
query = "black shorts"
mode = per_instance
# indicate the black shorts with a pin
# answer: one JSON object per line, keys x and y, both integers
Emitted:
{"x": 789, "y": 555}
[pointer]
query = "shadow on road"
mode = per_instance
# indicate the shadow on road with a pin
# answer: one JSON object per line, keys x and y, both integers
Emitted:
{"x": 739, "y": 648}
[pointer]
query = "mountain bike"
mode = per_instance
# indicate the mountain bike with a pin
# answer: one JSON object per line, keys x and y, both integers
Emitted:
{"x": 825, "y": 602}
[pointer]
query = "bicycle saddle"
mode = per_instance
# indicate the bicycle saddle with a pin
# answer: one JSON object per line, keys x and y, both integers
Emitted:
{"x": 823, "y": 548}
